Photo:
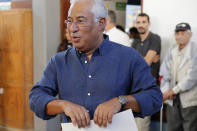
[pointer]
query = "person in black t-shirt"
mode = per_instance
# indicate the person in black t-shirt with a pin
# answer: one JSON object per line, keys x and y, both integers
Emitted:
{"x": 149, "y": 46}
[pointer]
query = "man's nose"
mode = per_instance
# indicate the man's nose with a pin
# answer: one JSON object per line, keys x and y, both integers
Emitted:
{"x": 141, "y": 24}
{"x": 74, "y": 27}
{"x": 179, "y": 36}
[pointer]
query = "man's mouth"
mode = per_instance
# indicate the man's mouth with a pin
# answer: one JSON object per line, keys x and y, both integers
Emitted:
{"x": 75, "y": 38}
{"x": 141, "y": 28}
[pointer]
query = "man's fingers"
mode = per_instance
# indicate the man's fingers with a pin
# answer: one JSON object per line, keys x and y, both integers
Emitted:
{"x": 83, "y": 118}
{"x": 96, "y": 116}
{"x": 104, "y": 119}
{"x": 87, "y": 118}
{"x": 109, "y": 117}
{"x": 78, "y": 118}
{"x": 73, "y": 119}
{"x": 100, "y": 118}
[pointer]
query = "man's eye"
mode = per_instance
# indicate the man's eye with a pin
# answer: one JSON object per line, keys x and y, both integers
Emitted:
{"x": 81, "y": 21}
{"x": 68, "y": 21}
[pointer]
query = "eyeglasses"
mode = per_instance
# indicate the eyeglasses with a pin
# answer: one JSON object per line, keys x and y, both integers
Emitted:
{"x": 79, "y": 22}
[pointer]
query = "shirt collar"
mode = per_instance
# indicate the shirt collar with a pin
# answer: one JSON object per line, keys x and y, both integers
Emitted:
{"x": 101, "y": 50}
{"x": 79, "y": 53}
{"x": 110, "y": 30}
{"x": 147, "y": 38}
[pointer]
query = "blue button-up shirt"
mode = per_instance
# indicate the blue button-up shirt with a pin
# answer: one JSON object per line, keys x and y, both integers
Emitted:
{"x": 113, "y": 70}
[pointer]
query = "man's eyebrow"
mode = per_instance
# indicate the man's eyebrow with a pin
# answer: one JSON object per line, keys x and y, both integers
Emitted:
{"x": 77, "y": 17}
{"x": 82, "y": 17}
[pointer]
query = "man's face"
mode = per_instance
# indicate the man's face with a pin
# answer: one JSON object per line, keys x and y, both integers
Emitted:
{"x": 142, "y": 24}
{"x": 84, "y": 31}
{"x": 183, "y": 37}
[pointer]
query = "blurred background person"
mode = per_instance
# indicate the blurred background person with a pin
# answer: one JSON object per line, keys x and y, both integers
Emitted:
{"x": 66, "y": 43}
{"x": 149, "y": 46}
{"x": 179, "y": 83}
{"x": 133, "y": 34}
{"x": 115, "y": 34}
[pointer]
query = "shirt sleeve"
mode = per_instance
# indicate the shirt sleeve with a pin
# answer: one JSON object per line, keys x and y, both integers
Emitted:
{"x": 44, "y": 91}
{"x": 165, "y": 72}
{"x": 155, "y": 44}
{"x": 145, "y": 89}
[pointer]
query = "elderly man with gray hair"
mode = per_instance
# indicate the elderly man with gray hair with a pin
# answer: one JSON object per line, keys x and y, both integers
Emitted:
{"x": 96, "y": 78}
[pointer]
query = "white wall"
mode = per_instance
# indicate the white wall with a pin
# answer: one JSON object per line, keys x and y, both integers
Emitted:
{"x": 165, "y": 14}
{"x": 46, "y": 37}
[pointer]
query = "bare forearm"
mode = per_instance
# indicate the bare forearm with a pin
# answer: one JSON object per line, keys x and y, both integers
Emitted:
{"x": 148, "y": 61}
{"x": 151, "y": 57}
{"x": 55, "y": 107}
{"x": 132, "y": 104}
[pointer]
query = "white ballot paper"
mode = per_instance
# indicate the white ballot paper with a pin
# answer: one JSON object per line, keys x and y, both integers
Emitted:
{"x": 123, "y": 121}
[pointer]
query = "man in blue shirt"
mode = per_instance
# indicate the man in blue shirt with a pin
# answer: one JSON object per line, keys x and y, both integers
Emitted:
{"x": 96, "y": 78}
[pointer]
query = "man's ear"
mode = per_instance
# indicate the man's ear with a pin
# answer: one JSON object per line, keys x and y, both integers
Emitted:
{"x": 190, "y": 34}
{"x": 102, "y": 23}
{"x": 149, "y": 24}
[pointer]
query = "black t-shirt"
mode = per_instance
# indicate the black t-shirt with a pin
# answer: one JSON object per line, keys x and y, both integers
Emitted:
{"x": 152, "y": 42}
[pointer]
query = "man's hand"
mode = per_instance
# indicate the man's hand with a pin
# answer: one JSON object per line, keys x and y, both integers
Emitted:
{"x": 105, "y": 111}
{"x": 168, "y": 95}
{"x": 156, "y": 58}
{"x": 150, "y": 57}
{"x": 78, "y": 114}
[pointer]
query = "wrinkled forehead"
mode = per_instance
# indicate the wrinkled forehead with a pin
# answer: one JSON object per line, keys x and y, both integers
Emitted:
{"x": 80, "y": 8}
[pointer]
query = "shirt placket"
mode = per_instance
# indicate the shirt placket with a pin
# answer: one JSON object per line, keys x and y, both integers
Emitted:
{"x": 178, "y": 62}
{"x": 89, "y": 78}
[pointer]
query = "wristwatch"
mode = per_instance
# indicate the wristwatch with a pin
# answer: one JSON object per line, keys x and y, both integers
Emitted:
{"x": 122, "y": 100}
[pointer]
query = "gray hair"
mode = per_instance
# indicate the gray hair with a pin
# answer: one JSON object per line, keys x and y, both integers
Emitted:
{"x": 112, "y": 16}
{"x": 99, "y": 10}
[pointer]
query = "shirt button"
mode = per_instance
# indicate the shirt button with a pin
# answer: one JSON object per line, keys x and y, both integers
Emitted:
{"x": 86, "y": 61}
{"x": 89, "y": 94}
{"x": 90, "y": 76}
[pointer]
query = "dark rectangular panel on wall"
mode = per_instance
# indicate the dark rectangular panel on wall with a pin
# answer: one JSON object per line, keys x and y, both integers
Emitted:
{"x": 134, "y": 2}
